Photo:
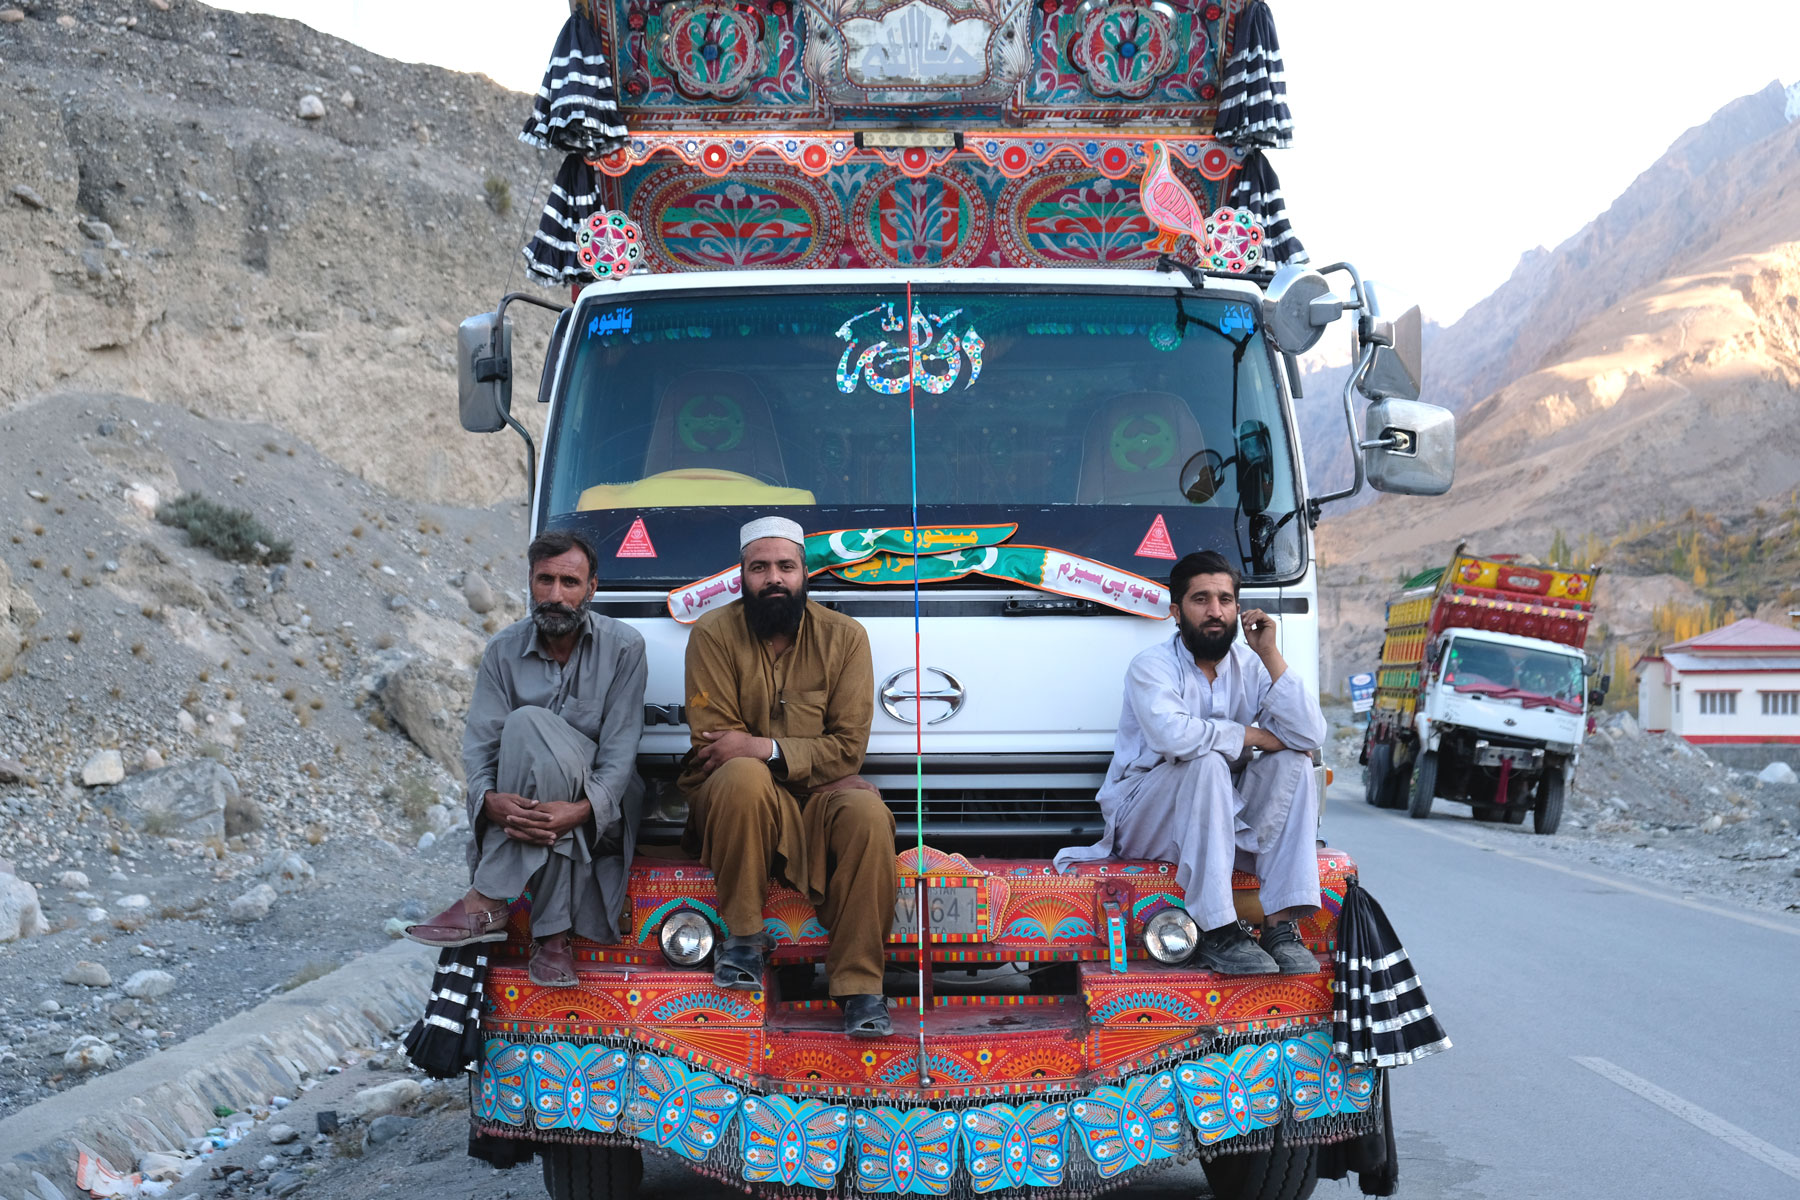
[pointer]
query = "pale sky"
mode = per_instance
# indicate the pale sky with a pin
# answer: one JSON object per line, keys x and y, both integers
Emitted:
{"x": 1436, "y": 140}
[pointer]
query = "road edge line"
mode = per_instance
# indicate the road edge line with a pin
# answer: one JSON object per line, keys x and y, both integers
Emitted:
{"x": 1741, "y": 1140}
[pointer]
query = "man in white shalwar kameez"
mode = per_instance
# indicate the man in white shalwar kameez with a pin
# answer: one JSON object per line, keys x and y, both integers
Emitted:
{"x": 1183, "y": 786}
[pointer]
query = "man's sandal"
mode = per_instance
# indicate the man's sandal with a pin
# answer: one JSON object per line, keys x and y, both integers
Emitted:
{"x": 740, "y": 962}
{"x": 866, "y": 1016}
{"x": 458, "y": 925}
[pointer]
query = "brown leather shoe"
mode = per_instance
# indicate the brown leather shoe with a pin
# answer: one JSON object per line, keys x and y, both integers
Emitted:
{"x": 552, "y": 963}
{"x": 459, "y": 926}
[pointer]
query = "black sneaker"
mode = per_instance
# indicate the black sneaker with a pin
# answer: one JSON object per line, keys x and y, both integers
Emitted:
{"x": 1281, "y": 942}
{"x": 1230, "y": 950}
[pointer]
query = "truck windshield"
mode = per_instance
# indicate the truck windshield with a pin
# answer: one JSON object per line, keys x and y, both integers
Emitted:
{"x": 1515, "y": 670}
{"x": 1125, "y": 426}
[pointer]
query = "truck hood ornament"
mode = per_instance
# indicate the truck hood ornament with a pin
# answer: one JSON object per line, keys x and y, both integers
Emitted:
{"x": 902, "y": 701}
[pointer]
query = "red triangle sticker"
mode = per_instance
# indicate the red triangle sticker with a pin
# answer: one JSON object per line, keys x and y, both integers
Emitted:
{"x": 1156, "y": 543}
{"x": 637, "y": 542}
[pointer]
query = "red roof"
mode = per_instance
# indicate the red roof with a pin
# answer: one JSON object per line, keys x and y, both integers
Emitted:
{"x": 1748, "y": 636}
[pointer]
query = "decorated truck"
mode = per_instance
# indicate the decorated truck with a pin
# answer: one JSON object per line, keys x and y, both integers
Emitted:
{"x": 1482, "y": 694}
{"x": 999, "y": 302}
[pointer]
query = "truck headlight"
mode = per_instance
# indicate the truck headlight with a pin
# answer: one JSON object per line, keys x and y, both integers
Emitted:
{"x": 687, "y": 938}
{"x": 1171, "y": 935}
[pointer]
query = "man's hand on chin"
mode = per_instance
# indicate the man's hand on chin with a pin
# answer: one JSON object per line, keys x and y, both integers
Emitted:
{"x": 726, "y": 744}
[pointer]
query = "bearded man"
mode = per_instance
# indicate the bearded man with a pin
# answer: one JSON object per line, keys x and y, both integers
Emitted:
{"x": 550, "y": 754}
{"x": 1183, "y": 788}
{"x": 780, "y": 696}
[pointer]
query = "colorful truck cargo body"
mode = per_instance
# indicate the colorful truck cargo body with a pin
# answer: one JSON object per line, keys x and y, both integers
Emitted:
{"x": 1482, "y": 690}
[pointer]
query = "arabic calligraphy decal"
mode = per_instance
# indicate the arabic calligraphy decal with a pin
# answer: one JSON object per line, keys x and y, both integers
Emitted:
{"x": 1074, "y": 218}
{"x": 936, "y": 352}
{"x": 939, "y": 221}
{"x": 713, "y": 49}
{"x": 915, "y": 45}
{"x": 763, "y": 216}
{"x": 1123, "y": 48}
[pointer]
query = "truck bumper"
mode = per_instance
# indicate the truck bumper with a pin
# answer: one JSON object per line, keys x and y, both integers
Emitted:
{"x": 1145, "y": 1062}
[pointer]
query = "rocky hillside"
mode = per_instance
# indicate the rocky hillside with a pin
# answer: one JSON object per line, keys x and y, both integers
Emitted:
{"x": 1663, "y": 412}
{"x": 255, "y": 221}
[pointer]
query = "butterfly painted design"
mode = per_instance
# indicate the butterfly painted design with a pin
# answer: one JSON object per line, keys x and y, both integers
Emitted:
{"x": 905, "y": 1152}
{"x": 1359, "y": 1089}
{"x": 503, "y": 1084}
{"x": 1127, "y": 1127}
{"x": 678, "y": 1108}
{"x": 578, "y": 1087}
{"x": 1007, "y": 1147}
{"x": 793, "y": 1141}
{"x": 1228, "y": 1095}
{"x": 1313, "y": 1074}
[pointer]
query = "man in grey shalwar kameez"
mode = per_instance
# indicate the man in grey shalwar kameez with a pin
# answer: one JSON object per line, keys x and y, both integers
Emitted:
{"x": 1183, "y": 788}
{"x": 550, "y": 755}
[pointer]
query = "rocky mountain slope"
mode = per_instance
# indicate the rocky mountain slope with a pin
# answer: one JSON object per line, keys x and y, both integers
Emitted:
{"x": 1671, "y": 403}
{"x": 180, "y": 222}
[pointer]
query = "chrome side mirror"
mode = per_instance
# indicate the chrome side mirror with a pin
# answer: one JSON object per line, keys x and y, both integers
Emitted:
{"x": 1297, "y": 307}
{"x": 1410, "y": 447}
{"x": 1395, "y": 328}
{"x": 484, "y": 372}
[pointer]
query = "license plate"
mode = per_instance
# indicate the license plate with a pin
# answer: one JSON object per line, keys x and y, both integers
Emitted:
{"x": 953, "y": 910}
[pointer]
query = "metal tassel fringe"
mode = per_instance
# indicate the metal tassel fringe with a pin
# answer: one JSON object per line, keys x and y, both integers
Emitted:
{"x": 1258, "y": 190}
{"x": 577, "y": 105}
{"x": 1253, "y": 107}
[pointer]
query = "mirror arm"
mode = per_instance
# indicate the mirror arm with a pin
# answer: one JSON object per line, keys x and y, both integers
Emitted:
{"x": 486, "y": 369}
{"x": 1317, "y": 503}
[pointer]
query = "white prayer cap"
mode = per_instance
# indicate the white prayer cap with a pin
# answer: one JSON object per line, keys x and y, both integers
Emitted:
{"x": 779, "y": 527}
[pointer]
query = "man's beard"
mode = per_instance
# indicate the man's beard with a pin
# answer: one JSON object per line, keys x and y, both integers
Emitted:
{"x": 555, "y": 620}
{"x": 1207, "y": 645}
{"x": 774, "y": 612}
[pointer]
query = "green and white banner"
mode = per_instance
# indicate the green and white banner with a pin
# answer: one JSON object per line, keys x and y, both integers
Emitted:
{"x": 887, "y": 556}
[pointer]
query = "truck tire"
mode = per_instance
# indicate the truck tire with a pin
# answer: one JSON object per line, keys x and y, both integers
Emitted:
{"x": 1548, "y": 813}
{"x": 1513, "y": 814}
{"x": 1282, "y": 1172}
{"x": 592, "y": 1172}
{"x": 1377, "y": 774}
{"x": 1424, "y": 785}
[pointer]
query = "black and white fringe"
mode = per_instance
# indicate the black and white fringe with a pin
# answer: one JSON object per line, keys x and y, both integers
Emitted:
{"x": 553, "y": 254}
{"x": 577, "y": 106}
{"x": 1253, "y": 107}
{"x": 1258, "y": 190}
{"x": 446, "y": 1041}
{"x": 1379, "y": 1011}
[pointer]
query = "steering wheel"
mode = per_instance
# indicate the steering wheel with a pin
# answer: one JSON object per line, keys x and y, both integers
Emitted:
{"x": 708, "y": 432}
{"x": 1132, "y": 441}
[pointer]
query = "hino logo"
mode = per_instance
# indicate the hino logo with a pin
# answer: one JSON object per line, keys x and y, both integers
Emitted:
{"x": 902, "y": 702}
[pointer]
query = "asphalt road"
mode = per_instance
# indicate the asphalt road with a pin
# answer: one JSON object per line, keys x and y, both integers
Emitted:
{"x": 1611, "y": 1038}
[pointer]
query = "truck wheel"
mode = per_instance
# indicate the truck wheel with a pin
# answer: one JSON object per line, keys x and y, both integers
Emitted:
{"x": 1548, "y": 813}
{"x": 592, "y": 1172}
{"x": 1483, "y": 813}
{"x": 1375, "y": 775}
{"x": 1424, "y": 785}
{"x": 1513, "y": 814}
{"x": 1282, "y": 1172}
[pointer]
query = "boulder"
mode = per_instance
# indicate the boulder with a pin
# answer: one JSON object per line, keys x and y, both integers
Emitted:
{"x": 377, "y": 1101}
{"x": 287, "y": 872}
{"x": 87, "y": 974}
{"x": 14, "y": 771}
{"x": 387, "y": 1128}
{"x": 188, "y": 800}
{"x": 428, "y": 699}
{"x": 253, "y": 905}
{"x": 310, "y": 108}
{"x": 18, "y": 612}
{"x": 480, "y": 596}
{"x": 103, "y": 768}
{"x": 1627, "y": 725}
{"x": 87, "y": 1053}
{"x": 20, "y": 914}
{"x": 1777, "y": 772}
{"x": 149, "y": 984}
{"x": 242, "y": 815}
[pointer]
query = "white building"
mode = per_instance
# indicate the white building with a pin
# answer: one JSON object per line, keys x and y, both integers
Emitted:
{"x": 1739, "y": 685}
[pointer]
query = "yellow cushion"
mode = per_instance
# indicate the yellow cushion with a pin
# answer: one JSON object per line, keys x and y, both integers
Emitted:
{"x": 690, "y": 487}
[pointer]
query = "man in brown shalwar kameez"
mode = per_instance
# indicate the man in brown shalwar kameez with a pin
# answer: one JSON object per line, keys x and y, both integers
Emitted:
{"x": 780, "y": 695}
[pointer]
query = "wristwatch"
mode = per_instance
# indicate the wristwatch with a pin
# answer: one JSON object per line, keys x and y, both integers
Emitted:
{"x": 774, "y": 754}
